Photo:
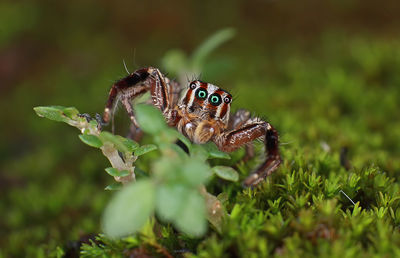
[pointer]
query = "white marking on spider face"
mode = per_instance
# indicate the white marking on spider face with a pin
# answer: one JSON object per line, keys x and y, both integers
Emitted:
{"x": 212, "y": 130}
{"x": 106, "y": 110}
{"x": 211, "y": 88}
{"x": 191, "y": 99}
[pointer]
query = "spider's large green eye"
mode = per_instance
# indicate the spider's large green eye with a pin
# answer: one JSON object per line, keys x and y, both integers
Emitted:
{"x": 215, "y": 99}
{"x": 201, "y": 93}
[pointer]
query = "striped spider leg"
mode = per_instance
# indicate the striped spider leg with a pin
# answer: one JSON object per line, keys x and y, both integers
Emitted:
{"x": 242, "y": 132}
{"x": 164, "y": 94}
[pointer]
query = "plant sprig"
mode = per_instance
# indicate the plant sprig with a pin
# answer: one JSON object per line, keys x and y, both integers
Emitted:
{"x": 175, "y": 189}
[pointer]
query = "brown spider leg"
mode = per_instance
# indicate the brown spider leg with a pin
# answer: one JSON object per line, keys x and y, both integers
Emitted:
{"x": 129, "y": 108}
{"x": 128, "y": 87}
{"x": 272, "y": 161}
{"x": 232, "y": 140}
{"x": 237, "y": 120}
{"x": 135, "y": 84}
{"x": 135, "y": 133}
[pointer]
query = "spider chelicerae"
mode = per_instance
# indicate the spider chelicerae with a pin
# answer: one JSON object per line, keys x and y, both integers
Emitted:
{"x": 202, "y": 114}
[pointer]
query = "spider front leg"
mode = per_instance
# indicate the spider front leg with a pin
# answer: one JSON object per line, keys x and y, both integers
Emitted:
{"x": 135, "y": 84}
{"x": 249, "y": 131}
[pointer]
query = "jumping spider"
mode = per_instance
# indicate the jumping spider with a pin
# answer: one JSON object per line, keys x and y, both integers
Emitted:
{"x": 202, "y": 115}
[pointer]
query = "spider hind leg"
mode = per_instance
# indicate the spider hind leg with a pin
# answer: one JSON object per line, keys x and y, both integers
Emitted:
{"x": 244, "y": 133}
{"x": 272, "y": 161}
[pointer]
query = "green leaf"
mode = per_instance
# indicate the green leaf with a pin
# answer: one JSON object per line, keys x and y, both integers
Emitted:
{"x": 130, "y": 144}
{"x": 236, "y": 211}
{"x": 226, "y": 173}
{"x": 182, "y": 154}
{"x": 169, "y": 200}
{"x": 199, "y": 152}
{"x": 113, "y": 187}
{"x": 144, "y": 149}
{"x": 114, "y": 139}
{"x": 195, "y": 172}
{"x": 115, "y": 172}
{"x": 52, "y": 112}
{"x": 129, "y": 209}
{"x": 166, "y": 136}
{"x": 123, "y": 173}
{"x": 168, "y": 169}
{"x": 71, "y": 112}
{"x": 91, "y": 140}
{"x": 183, "y": 139}
{"x": 209, "y": 45}
{"x": 214, "y": 152}
{"x": 150, "y": 119}
{"x": 192, "y": 215}
{"x": 112, "y": 171}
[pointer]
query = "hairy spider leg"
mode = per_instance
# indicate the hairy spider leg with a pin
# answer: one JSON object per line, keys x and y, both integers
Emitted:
{"x": 124, "y": 90}
{"x": 238, "y": 119}
{"x": 247, "y": 132}
{"x": 135, "y": 84}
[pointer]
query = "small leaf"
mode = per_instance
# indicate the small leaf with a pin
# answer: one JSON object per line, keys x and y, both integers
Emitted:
{"x": 123, "y": 173}
{"x": 236, "y": 211}
{"x": 192, "y": 215}
{"x": 52, "y": 112}
{"x": 183, "y": 139}
{"x": 198, "y": 151}
{"x": 144, "y": 149}
{"x": 182, "y": 154}
{"x": 70, "y": 112}
{"x": 169, "y": 200}
{"x": 226, "y": 173}
{"x": 214, "y": 152}
{"x": 118, "y": 141}
{"x": 165, "y": 137}
{"x": 129, "y": 209}
{"x": 113, "y": 187}
{"x": 195, "y": 172}
{"x": 168, "y": 169}
{"x": 91, "y": 140}
{"x": 112, "y": 171}
{"x": 130, "y": 144}
{"x": 115, "y": 172}
{"x": 150, "y": 119}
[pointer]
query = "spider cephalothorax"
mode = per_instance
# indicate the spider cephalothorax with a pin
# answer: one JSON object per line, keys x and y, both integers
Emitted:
{"x": 202, "y": 114}
{"x": 204, "y": 111}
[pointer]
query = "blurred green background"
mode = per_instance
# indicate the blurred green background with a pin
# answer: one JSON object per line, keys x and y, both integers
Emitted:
{"x": 325, "y": 73}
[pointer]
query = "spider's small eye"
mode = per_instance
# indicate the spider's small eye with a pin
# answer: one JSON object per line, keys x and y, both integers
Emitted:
{"x": 192, "y": 85}
{"x": 215, "y": 99}
{"x": 227, "y": 100}
{"x": 201, "y": 93}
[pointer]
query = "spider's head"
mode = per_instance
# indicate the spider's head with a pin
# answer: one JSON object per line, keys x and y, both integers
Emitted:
{"x": 207, "y": 101}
